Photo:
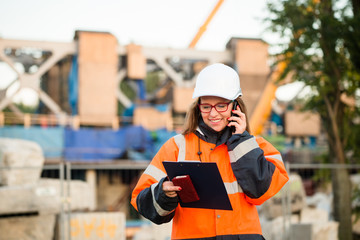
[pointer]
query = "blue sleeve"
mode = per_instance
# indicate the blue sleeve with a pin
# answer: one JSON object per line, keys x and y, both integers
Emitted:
{"x": 251, "y": 169}
{"x": 154, "y": 205}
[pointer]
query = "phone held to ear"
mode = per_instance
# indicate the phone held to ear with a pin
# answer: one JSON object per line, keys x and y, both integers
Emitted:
{"x": 233, "y": 129}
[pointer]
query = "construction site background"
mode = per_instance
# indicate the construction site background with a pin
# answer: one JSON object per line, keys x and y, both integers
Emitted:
{"x": 68, "y": 164}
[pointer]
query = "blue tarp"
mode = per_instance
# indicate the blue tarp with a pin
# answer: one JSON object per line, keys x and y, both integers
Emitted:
{"x": 50, "y": 139}
{"x": 158, "y": 138}
{"x": 91, "y": 144}
{"x": 99, "y": 144}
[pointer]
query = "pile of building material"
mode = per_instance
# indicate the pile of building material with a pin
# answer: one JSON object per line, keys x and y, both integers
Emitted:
{"x": 355, "y": 183}
{"x": 32, "y": 208}
{"x": 291, "y": 212}
{"x": 152, "y": 231}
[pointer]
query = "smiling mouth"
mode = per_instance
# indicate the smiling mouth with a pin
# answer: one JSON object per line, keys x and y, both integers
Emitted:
{"x": 214, "y": 120}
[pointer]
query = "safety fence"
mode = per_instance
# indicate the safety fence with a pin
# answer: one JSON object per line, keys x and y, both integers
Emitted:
{"x": 315, "y": 180}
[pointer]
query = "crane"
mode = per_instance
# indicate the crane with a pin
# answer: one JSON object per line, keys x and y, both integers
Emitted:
{"x": 202, "y": 29}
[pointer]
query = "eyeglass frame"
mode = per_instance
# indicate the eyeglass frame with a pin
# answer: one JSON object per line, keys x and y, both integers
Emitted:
{"x": 214, "y": 106}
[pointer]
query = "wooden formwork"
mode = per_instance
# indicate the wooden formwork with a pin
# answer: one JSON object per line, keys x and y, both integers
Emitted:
{"x": 97, "y": 66}
{"x": 300, "y": 124}
{"x": 152, "y": 119}
{"x": 136, "y": 62}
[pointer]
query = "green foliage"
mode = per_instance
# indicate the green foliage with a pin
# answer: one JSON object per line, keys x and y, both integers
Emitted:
{"x": 322, "y": 175}
{"x": 152, "y": 81}
{"x": 321, "y": 47}
{"x": 277, "y": 140}
{"x": 129, "y": 92}
{"x": 23, "y": 108}
{"x": 26, "y": 108}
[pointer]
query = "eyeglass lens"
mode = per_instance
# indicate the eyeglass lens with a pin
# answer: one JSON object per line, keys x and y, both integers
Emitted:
{"x": 220, "y": 107}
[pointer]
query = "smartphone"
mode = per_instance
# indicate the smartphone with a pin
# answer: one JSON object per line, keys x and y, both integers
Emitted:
{"x": 233, "y": 114}
{"x": 187, "y": 192}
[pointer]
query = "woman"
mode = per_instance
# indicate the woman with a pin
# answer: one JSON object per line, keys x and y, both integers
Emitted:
{"x": 251, "y": 168}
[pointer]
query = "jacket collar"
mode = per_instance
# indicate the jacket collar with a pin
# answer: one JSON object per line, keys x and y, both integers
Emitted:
{"x": 208, "y": 134}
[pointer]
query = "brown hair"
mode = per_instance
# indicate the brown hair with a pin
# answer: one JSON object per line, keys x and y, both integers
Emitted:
{"x": 192, "y": 116}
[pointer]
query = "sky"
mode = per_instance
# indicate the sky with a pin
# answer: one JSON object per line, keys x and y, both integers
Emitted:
{"x": 153, "y": 23}
{"x": 165, "y": 23}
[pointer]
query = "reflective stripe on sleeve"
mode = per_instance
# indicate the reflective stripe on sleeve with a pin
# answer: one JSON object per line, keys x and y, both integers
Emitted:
{"x": 180, "y": 142}
{"x": 276, "y": 156}
{"x": 242, "y": 149}
{"x": 233, "y": 187}
{"x": 154, "y": 172}
{"x": 157, "y": 207}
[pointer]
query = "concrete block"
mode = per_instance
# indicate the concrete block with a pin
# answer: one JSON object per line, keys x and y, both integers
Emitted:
{"x": 314, "y": 215}
{"x": 301, "y": 231}
{"x": 95, "y": 225}
{"x": 274, "y": 207}
{"x": 154, "y": 232}
{"x": 27, "y": 227}
{"x": 46, "y": 197}
{"x": 322, "y": 228}
{"x": 21, "y": 161}
{"x": 326, "y": 231}
{"x": 273, "y": 229}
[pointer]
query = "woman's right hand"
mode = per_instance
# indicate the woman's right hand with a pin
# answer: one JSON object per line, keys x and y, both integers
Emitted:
{"x": 170, "y": 189}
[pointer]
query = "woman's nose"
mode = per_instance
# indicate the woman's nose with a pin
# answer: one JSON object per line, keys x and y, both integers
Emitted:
{"x": 213, "y": 111}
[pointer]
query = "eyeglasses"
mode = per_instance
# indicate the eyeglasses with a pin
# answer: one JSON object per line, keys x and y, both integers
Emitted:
{"x": 219, "y": 107}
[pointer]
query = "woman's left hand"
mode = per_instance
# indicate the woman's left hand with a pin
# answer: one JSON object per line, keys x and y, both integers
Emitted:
{"x": 238, "y": 120}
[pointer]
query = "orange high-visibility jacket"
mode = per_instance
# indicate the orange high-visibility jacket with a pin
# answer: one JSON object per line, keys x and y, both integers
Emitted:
{"x": 252, "y": 171}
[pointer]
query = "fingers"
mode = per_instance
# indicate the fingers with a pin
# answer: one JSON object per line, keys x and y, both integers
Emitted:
{"x": 239, "y": 121}
{"x": 239, "y": 118}
{"x": 170, "y": 189}
{"x": 169, "y": 186}
{"x": 171, "y": 194}
{"x": 239, "y": 113}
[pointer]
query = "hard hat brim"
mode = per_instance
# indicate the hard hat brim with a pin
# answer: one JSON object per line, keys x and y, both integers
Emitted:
{"x": 225, "y": 96}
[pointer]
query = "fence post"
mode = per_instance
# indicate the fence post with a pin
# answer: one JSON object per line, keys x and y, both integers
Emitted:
{"x": 287, "y": 204}
{"x": 62, "y": 197}
{"x": 68, "y": 197}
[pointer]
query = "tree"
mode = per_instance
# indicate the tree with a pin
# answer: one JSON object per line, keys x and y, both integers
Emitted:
{"x": 321, "y": 49}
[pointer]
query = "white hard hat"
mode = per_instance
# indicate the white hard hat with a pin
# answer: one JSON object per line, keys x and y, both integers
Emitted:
{"x": 218, "y": 80}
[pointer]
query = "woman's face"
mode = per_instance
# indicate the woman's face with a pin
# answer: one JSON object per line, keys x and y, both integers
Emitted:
{"x": 214, "y": 119}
